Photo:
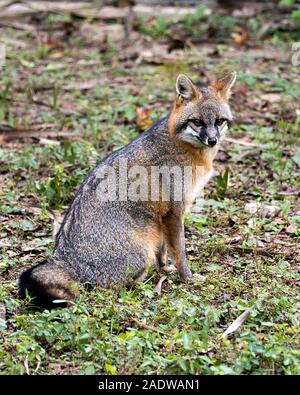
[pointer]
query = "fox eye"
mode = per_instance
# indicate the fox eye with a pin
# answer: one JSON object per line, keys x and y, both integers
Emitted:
{"x": 198, "y": 122}
{"x": 220, "y": 121}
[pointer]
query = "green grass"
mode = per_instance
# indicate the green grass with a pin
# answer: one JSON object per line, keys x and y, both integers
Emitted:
{"x": 247, "y": 261}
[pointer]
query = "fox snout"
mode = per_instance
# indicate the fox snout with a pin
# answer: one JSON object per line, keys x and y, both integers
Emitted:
{"x": 211, "y": 136}
{"x": 203, "y": 134}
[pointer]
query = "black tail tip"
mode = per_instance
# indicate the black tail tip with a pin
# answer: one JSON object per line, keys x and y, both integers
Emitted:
{"x": 40, "y": 294}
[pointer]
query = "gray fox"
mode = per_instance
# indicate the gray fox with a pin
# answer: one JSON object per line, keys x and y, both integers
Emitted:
{"x": 109, "y": 239}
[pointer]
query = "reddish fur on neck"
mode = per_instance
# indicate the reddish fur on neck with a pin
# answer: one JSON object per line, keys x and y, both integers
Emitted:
{"x": 175, "y": 114}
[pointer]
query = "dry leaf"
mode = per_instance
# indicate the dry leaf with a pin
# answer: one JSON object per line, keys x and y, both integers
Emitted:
{"x": 44, "y": 141}
{"x": 57, "y": 54}
{"x": 143, "y": 118}
{"x": 241, "y": 36}
{"x": 237, "y": 323}
{"x": 291, "y": 229}
{"x": 262, "y": 209}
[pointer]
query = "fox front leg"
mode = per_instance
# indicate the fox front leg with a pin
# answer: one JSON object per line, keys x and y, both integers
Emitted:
{"x": 162, "y": 259}
{"x": 162, "y": 255}
{"x": 174, "y": 235}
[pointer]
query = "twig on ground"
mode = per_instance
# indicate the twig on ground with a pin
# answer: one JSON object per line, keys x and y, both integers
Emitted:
{"x": 261, "y": 251}
{"x": 26, "y": 366}
{"x": 157, "y": 289}
{"x": 16, "y": 134}
{"x": 148, "y": 327}
{"x": 237, "y": 323}
{"x": 240, "y": 142}
{"x": 37, "y": 367}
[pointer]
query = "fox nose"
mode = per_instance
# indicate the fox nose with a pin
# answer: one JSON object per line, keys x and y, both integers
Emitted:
{"x": 212, "y": 141}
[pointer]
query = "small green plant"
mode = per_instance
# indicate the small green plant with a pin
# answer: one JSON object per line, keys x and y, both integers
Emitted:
{"x": 286, "y": 3}
{"x": 56, "y": 18}
{"x": 55, "y": 95}
{"x": 196, "y": 17}
{"x": 296, "y": 16}
{"x": 157, "y": 29}
{"x": 4, "y": 93}
{"x": 222, "y": 183}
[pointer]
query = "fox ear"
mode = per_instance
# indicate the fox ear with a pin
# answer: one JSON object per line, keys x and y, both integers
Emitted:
{"x": 223, "y": 86}
{"x": 185, "y": 88}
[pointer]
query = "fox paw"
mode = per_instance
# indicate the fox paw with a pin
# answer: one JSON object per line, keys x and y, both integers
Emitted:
{"x": 168, "y": 268}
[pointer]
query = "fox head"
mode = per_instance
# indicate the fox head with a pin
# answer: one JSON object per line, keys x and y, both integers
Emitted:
{"x": 201, "y": 116}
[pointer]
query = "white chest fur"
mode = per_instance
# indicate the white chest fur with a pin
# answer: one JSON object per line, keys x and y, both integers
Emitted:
{"x": 195, "y": 191}
{"x": 201, "y": 182}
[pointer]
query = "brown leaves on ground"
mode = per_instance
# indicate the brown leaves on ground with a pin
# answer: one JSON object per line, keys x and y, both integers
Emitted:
{"x": 241, "y": 36}
{"x": 143, "y": 118}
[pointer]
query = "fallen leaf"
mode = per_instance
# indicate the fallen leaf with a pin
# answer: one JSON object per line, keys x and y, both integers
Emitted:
{"x": 291, "y": 229}
{"x": 241, "y": 36}
{"x": 143, "y": 118}
{"x": 44, "y": 141}
{"x": 236, "y": 323}
{"x": 56, "y": 54}
{"x": 265, "y": 210}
